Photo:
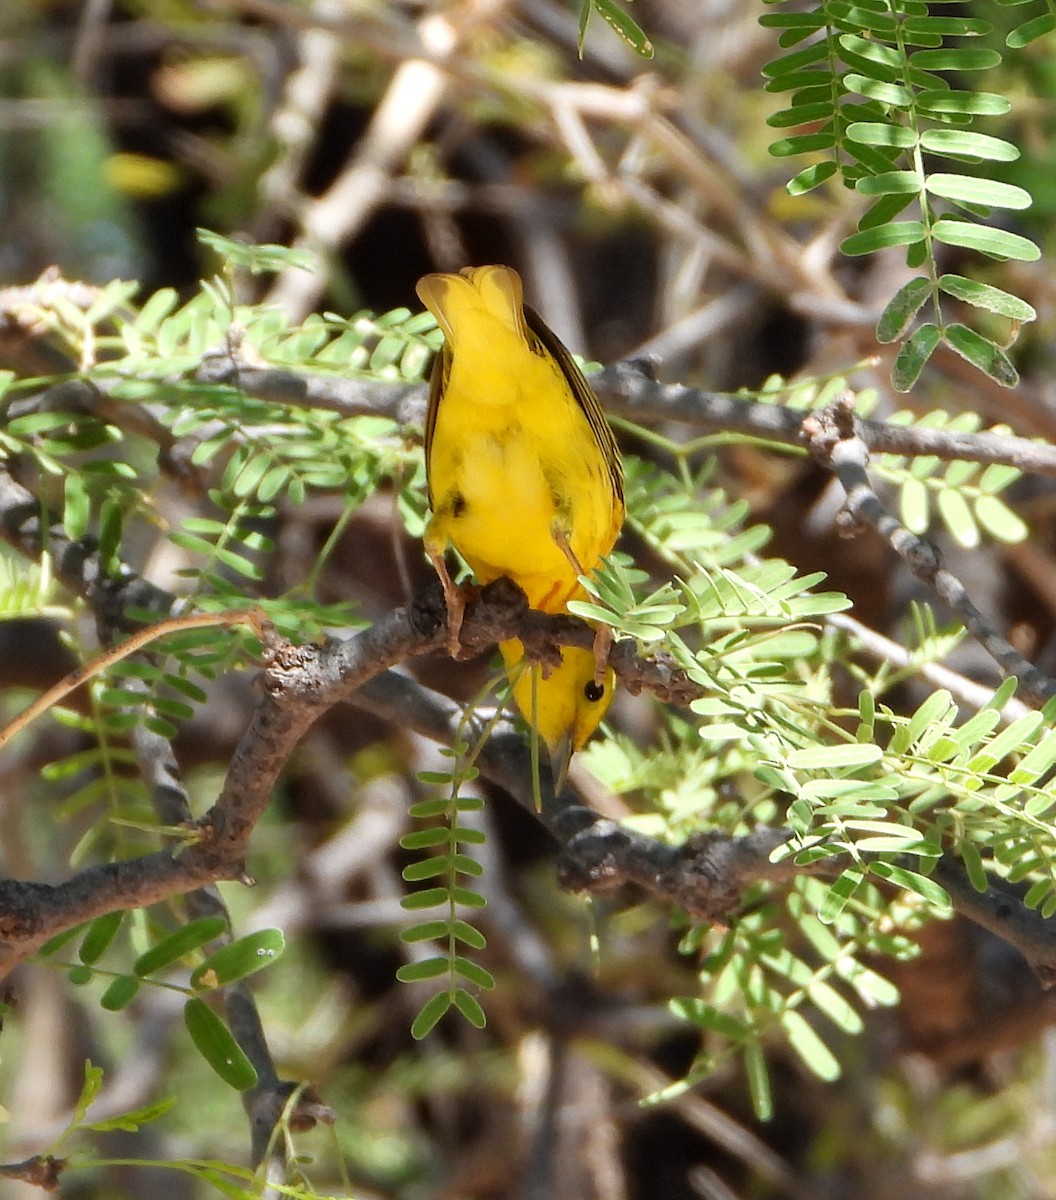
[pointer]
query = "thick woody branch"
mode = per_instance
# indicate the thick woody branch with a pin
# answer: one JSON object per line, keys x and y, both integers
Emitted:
{"x": 706, "y": 876}
{"x": 299, "y": 684}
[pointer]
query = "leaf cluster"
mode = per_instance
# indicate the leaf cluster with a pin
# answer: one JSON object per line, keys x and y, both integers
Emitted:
{"x": 154, "y": 965}
{"x": 447, "y": 867}
{"x": 871, "y": 80}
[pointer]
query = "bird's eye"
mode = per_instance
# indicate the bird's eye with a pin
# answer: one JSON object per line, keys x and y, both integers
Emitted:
{"x": 594, "y": 691}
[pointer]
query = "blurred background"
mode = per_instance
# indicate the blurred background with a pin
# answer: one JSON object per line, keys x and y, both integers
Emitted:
{"x": 638, "y": 200}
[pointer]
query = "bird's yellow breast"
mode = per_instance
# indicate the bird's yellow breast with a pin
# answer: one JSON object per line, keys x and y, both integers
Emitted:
{"x": 524, "y": 479}
{"x": 513, "y": 459}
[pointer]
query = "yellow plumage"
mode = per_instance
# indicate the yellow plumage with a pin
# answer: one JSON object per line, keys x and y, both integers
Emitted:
{"x": 524, "y": 478}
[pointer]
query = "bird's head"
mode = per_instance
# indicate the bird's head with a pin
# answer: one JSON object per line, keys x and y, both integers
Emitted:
{"x": 566, "y": 706}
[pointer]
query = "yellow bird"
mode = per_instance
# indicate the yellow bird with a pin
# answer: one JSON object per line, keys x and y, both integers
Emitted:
{"x": 524, "y": 480}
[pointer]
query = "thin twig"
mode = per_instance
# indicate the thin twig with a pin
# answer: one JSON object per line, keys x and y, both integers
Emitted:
{"x": 834, "y": 440}
{"x": 75, "y": 679}
{"x": 627, "y": 390}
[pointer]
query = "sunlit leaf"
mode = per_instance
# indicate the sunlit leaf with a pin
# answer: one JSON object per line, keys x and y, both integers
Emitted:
{"x": 984, "y": 295}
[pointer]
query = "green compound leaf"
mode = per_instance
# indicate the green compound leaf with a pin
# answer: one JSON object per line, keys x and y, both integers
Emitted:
{"x": 100, "y": 934}
{"x": 810, "y": 1048}
{"x": 998, "y": 243}
{"x": 889, "y": 183}
{"x": 801, "y": 114}
{"x": 187, "y": 938}
{"x": 902, "y": 308}
{"x": 884, "y": 209}
{"x": 473, "y": 972}
{"x": 957, "y": 517}
{"x": 420, "y": 839}
{"x": 892, "y": 94}
{"x": 1000, "y": 521}
{"x": 429, "y": 1015}
{"x": 924, "y": 887}
{"x": 826, "y": 758}
{"x": 997, "y": 477}
{"x": 913, "y": 356}
{"x": 241, "y": 958}
{"x": 804, "y": 143}
{"x": 973, "y": 866}
{"x": 826, "y": 999}
{"x": 131, "y": 1121}
{"x": 428, "y": 968}
{"x": 810, "y": 178}
{"x": 914, "y": 507}
{"x": 758, "y": 1081}
{"x": 256, "y": 259}
{"x": 983, "y": 295}
{"x": 468, "y": 934}
{"x": 899, "y": 233}
{"x": 968, "y": 104}
{"x": 981, "y": 353}
{"x": 970, "y": 189}
{"x": 119, "y": 993}
{"x": 872, "y": 52}
{"x": 962, "y": 143}
{"x": 77, "y": 507}
{"x": 875, "y": 133}
{"x": 793, "y": 64}
{"x": 955, "y": 58}
{"x": 427, "y": 931}
{"x": 470, "y": 1008}
{"x": 841, "y": 892}
{"x": 948, "y": 26}
{"x": 624, "y": 27}
{"x": 425, "y": 898}
{"x": 1030, "y": 31}
{"x": 426, "y": 868}
{"x": 217, "y": 1045}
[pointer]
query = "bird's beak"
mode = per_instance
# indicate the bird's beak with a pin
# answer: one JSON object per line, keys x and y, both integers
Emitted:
{"x": 560, "y": 757}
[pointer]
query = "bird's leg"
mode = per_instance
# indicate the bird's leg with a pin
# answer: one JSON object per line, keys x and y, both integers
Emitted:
{"x": 453, "y": 599}
{"x": 602, "y": 646}
{"x": 560, "y": 537}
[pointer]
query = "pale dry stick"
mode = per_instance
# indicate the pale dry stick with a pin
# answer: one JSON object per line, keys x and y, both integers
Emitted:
{"x": 57, "y": 692}
{"x": 678, "y": 223}
{"x": 447, "y": 196}
{"x": 294, "y": 123}
{"x": 89, "y": 40}
{"x": 708, "y": 321}
{"x": 413, "y": 95}
{"x": 573, "y": 131}
{"x": 775, "y": 257}
{"x": 627, "y": 108}
{"x": 552, "y": 278}
{"x": 965, "y": 691}
{"x": 374, "y": 26}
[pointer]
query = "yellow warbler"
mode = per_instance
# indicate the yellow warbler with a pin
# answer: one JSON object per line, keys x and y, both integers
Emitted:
{"x": 524, "y": 481}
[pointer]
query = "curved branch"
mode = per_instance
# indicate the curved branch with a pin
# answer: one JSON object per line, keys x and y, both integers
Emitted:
{"x": 834, "y": 439}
